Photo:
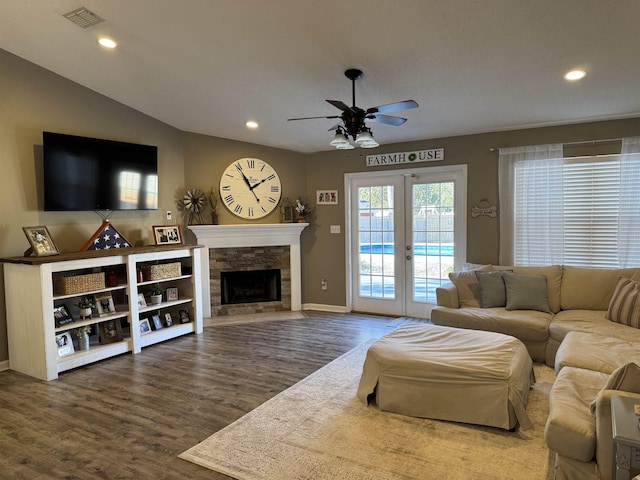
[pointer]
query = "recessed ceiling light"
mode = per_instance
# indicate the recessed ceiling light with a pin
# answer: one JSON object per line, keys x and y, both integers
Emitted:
{"x": 574, "y": 75}
{"x": 107, "y": 42}
{"x": 251, "y": 124}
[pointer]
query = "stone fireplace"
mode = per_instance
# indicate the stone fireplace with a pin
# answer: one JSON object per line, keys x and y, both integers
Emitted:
{"x": 250, "y": 249}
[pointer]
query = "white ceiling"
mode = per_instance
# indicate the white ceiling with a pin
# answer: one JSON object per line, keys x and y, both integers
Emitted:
{"x": 208, "y": 66}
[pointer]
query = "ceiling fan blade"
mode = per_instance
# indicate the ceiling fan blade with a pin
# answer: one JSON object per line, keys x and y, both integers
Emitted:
{"x": 335, "y": 127}
{"x": 394, "y": 107}
{"x": 386, "y": 119}
{"x": 311, "y": 118}
{"x": 341, "y": 105}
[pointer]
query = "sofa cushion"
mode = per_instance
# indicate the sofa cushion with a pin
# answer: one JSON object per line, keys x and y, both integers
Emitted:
{"x": 625, "y": 378}
{"x": 554, "y": 281}
{"x": 625, "y": 303}
{"x": 526, "y": 292}
{"x": 590, "y": 321}
{"x": 595, "y": 352}
{"x": 492, "y": 290}
{"x": 590, "y": 288}
{"x": 467, "y": 285}
{"x": 571, "y": 429}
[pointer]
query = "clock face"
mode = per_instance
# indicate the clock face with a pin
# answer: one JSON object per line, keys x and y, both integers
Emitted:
{"x": 250, "y": 188}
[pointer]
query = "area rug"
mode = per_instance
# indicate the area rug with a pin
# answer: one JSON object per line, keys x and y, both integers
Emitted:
{"x": 318, "y": 430}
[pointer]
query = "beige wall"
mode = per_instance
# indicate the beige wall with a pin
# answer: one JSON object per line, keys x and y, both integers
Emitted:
{"x": 34, "y": 100}
{"x": 324, "y": 253}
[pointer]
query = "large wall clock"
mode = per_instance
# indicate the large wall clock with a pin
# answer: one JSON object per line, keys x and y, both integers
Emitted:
{"x": 250, "y": 188}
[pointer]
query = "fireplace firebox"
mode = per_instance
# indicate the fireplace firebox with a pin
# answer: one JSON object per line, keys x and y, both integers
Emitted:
{"x": 250, "y": 286}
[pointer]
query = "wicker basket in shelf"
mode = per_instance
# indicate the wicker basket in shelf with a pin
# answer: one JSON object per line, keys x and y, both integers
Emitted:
{"x": 163, "y": 270}
{"x": 78, "y": 283}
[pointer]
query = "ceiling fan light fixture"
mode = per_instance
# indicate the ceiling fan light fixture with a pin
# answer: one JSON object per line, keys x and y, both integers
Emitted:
{"x": 339, "y": 139}
{"x": 373, "y": 144}
{"x": 364, "y": 137}
{"x": 345, "y": 146}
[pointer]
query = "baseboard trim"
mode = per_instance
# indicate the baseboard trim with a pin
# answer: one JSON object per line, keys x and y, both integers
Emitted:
{"x": 325, "y": 308}
{"x": 4, "y": 365}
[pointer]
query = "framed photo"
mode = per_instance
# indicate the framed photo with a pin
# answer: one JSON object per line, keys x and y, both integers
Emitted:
{"x": 145, "y": 327}
{"x": 110, "y": 331}
{"x": 184, "y": 316}
{"x": 167, "y": 235}
{"x": 64, "y": 343}
{"x": 40, "y": 241}
{"x": 172, "y": 293}
{"x": 62, "y": 315}
{"x": 141, "y": 301}
{"x": 327, "y": 197}
{"x": 157, "y": 324}
{"x": 104, "y": 303}
{"x": 168, "y": 321}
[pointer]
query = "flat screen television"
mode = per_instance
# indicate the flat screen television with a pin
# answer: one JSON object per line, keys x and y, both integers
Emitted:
{"x": 82, "y": 173}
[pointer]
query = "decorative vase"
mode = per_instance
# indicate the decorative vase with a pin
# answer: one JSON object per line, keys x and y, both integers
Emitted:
{"x": 83, "y": 342}
{"x": 156, "y": 299}
{"x": 214, "y": 218}
{"x": 301, "y": 219}
{"x": 85, "y": 313}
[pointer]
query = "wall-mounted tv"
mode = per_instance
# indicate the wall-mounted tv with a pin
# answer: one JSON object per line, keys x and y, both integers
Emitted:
{"x": 82, "y": 173}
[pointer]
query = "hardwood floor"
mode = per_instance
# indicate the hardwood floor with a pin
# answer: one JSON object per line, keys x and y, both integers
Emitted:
{"x": 130, "y": 416}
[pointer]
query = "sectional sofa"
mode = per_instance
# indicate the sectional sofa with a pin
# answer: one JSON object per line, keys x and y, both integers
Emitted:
{"x": 581, "y": 321}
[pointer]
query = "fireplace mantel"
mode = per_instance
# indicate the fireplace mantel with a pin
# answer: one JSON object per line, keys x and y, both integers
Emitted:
{"x": 253, "y": 235}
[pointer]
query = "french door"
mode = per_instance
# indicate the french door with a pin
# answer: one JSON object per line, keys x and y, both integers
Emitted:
{"x": 406, "y": 233}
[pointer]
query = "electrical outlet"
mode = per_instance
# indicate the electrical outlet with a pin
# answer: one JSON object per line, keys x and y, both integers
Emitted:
{"x": 323, "y": 284}
{"x": 169, "y": 216}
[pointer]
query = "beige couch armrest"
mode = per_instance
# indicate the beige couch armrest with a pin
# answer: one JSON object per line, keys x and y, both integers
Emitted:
{"x": 447, "y": 296}
{"x": 604, "y": 434}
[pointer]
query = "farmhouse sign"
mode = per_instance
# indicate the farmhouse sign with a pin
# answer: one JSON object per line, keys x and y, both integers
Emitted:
{"x": 433, "y": 155}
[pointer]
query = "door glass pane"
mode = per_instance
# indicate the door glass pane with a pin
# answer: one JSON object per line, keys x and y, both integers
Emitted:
{"x": 376, "y": 241}
{"x": 433, "y": 246}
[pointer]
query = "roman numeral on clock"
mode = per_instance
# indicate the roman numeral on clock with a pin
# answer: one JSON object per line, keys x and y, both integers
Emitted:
{"x": 228, "y": 199}
{"x": 238, "y": 208}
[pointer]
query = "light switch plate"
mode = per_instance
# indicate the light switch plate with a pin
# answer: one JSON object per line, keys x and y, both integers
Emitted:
{"x": 335, "y": 228}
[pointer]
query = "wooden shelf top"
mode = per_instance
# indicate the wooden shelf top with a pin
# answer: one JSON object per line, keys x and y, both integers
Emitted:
{"x": 35, "y": 260}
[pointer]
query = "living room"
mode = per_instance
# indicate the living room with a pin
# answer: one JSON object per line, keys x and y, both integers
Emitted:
{"x": 35, "y": 100}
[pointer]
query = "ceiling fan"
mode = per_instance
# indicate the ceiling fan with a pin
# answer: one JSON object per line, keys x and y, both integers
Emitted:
{"x": 352, "y": 120}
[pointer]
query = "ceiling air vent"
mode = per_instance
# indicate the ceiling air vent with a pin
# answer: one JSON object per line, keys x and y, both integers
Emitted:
{"x": 83, "y": 18}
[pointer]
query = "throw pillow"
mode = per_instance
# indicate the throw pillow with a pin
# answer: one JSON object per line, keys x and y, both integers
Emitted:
{"x": 526, "y": 292}
{"x": 467, "y": 285}
{"x": 625, "y": 378}
{"x": 492, "y": 291}
{"x": 624, "y": 306}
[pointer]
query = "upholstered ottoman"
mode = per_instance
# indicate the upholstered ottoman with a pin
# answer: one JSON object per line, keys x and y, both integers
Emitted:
{"x": 447, "y": 373}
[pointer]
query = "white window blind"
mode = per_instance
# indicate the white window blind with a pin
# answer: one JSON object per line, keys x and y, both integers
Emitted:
{"x": 591, "y": 202}
{"x": 571, "y": 211}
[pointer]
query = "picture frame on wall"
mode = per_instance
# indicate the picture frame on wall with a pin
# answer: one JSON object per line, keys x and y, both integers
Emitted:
{"x": 64, "y": 343}
{"x": 40, "y": 241}
{"x": 167, "y": 235}
{"x": 110, "y": 331}
{"x": 327, "y": 197}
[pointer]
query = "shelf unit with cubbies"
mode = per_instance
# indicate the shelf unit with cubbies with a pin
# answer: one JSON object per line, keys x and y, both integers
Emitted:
{"x": 32, "y": 294}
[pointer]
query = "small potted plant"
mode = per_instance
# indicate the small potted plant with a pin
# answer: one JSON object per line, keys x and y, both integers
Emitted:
{"x": 301, "y": 211}
{"x": 82, "y": 334}
{"x": 155, "y": 293}
{"x": 85, "y": 304}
